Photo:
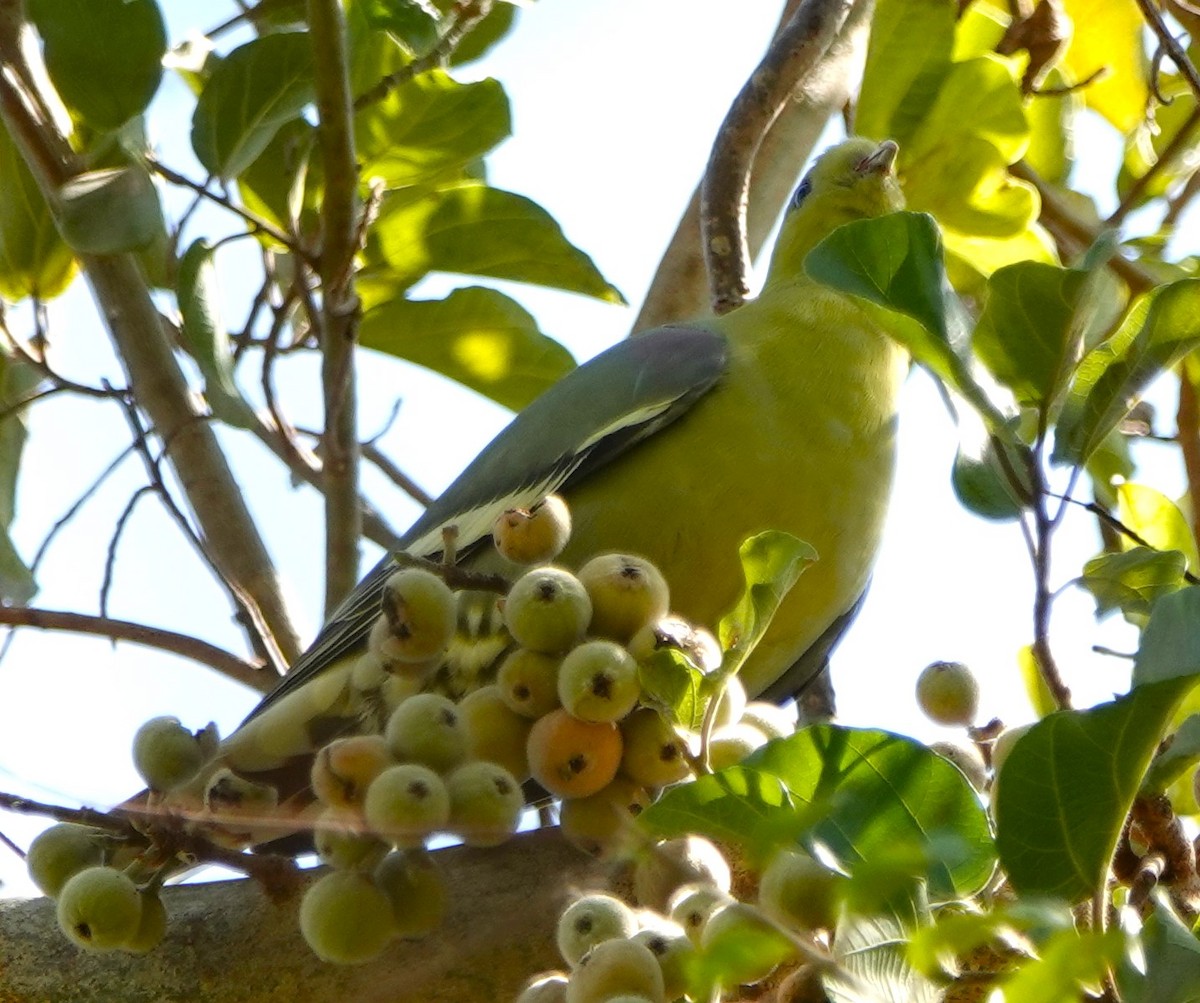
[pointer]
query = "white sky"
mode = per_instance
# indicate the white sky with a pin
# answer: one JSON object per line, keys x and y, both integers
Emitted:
{"x": 615, "y": 103}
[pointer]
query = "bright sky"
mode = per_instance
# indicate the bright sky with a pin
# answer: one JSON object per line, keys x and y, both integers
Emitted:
{"x": 615, "y": 104}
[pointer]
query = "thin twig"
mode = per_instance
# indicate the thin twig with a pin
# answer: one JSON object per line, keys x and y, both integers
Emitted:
{"x": 1180, "y": 142}
{"x": 113, "y": 822}
{"x": 1043, "y": 601}
{"x": 1168, "y": 41}
{"x": 110, "y": 557}
{"x": 12, "y": 846}
{"x": 183, "y": 645}
{"x": 467, "y": 15}
{"x": 388, "y": 468}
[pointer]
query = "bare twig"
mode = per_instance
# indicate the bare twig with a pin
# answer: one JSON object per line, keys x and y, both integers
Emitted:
{"x": 112, "y": 822}
{"x": 1168, "y": 41}
{"x": 397, "y": 476}
{"x": 110, "y": 558}
{"x": 183, "y": 645}
{"x": 12, "y": 846}
{"x": 795, "y": 52}
{"x": 1179, "y": 142}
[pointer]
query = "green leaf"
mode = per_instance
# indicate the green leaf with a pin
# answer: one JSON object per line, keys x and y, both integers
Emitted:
{"x": 1153, "y": 137}
{"x": 34, "y": 258}
{"x": 17, "y": 380}
{"x": 908, "y": 56}
{"x": 1156, "y": 519}
{"x": 206, "y": 337}
{"x": 671, "y": 682}
{"x": 772, "y": 561}
{"x": 415, "y": 22}
{"x": 1031, "y": 328}
{"x": 103, "y": 56}
{"x": 1067, "y": 785}
{"x": 252, "y": 92}
{"x": 274, "y": 185}
{"x": 477, "y": 230}
{"x": 873, "y": 950}
{"x": 1171, "y": 969}
{"x": 862, "y": 795}
{"x": 478, "y": 337}
{"x": 1133, "y": 580}
{"x": 1170, "y": 646}
{"x": 495, "y": 26}
{"x": 934, "y": 948}
{"x": 429, "y": 127}
{"x": 1108, "y": 33}
{"x": 1069, "y": 962}
{"x": 109, "y": 211}
{"x": 980, "y": 480}
{"x": 1179, "y": 755}
{"x": 1158, "y": 330}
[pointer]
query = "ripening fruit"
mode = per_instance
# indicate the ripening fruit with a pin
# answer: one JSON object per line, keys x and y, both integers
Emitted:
{"x": 674, "y": 862}
{"x": 800, "y": 892}
{"x": 773, "y": 721}
{"x": 407, "y": 803}
{"x": 548, "y": 987}
{"x": 485, "y": 803}
{"x": 151, "y": 928}
{"x": 1003, "y": 744}
{"x": 749, "y": 947}
{"x": 627, "y": 592}
{"x": 230, "y": 796}
{"x": 598, "y": 681}
{"x": 420, "y": 611}
{"x": 573, "y": 758}
{"x": 166, "y": 754}
{"x": 415, "y": 887}
{"x": 599, "y": 824}
{"x": 547, "y": 609}
{"x": 345, "y": 919}
{"x": 495, "y": 731}
{"x": 616, "y": 968}
{"x": 100, "y": 909}
{"x": 697, "y": 643}
{"x": 967, "y": 758}
{"x": 590, "y": 920}
{"x": 343, "y": 770}
{"x": 654, "y": 753}
{"x": 62, "y": 851}
{"x": 731, "y": 743}
{"x": 533, "y": 535}
{"x": 948, "y": 693}
{"x": 427, "y": 729}
{"x": 691, "y": 905}
{"x": 528, "y": 681}
{"x": 341, "y": 841}
{"x": 675, "y": 953}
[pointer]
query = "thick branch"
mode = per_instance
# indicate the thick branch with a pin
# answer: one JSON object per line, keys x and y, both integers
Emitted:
{"x": 339, "y": 303}
{"x": 795, "y": 52}
{"x": 161, "y": 389}
{"x": 227, "y": 943}
{"x": 139, "y": 633}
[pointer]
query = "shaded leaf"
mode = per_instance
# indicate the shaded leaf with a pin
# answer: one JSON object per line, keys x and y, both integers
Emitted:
{"x": 414, "y": 22}
{"x": 103, "y": 56}
{"x": 672, "y": 683}
{"x": 1180, "y": 754}
{"x": 983, "y": 469}
{"x": 109, "y": 211}
{"x": 489, "y": 32}
{"x": 34, "y": 258}
{"x": 477, "y": 230}
{"x": 1133, "y": 580}
{"x": 1171, "y": 971}
{"x": 1170, "y": 646}
{"x": 477, "y": 337}
{"x": 252, "y": 92}
{"x": 1069, "y": 962}
{"x": 274, "y": 185}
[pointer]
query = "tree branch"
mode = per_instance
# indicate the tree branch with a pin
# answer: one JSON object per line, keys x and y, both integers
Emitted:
{"x": 794, "y": 53}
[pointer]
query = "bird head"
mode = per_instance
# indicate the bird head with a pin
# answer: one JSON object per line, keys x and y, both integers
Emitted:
{"x": 854, "y": 180}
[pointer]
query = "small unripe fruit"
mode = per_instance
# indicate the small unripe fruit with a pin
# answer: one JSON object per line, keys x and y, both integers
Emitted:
{"x": 731, "y": 743}
{"x": 427, "y": 729}
{"x": 407, "y": 803}
{"x": 589, "y": 921}
{"x": 627, "y": 592}
{"x": 390, "y": 652}
{"x": 62, "y": 851}
{"x": 549, "y": 987}
{"x": 799, "y": 891}
{"x": 234, "y": 799}
{"x": 573, "y": 758}
{"x": 598, "y": 681}
{"x": 1003, "y": 744}
{"x": 151, "y": 928}
{"x": 166, "y": 754}
{"x": 772, "y": 721}
{"x": 599, "y": 824}
{"x": 533, "y": 535}
{"x": 341, "y": 841}
{"x": 100, "y": 909}
{"x": 345, "y": 919}
{"x": 675, "y": 953}
{"x": 420, "y": 611}
{"x": 416, "y": 890}
{"x": 547, "y": 610}
{"x": 731, "y": 704}
{"x": 696, "y": 643}
{"x": 967, "y": 758}
{"x": 749, "y": 947}
{"x": 675, "y": 862}
{"x": 485, "y": 803}
{"x": 495, "y": 732}
{"x": 343, "y": 770}
{"x": 691, "y": 905}
{"x": 528, "y": 681}
{"x": 948, "y": 693}
{"x": 615, "y": 968}
{"x": 655, "y": 754}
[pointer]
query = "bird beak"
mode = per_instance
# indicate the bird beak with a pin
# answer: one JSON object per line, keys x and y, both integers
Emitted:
{"x": 881, "y": 160}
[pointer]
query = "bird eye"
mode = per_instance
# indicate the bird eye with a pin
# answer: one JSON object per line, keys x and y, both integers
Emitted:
{"x": 801, "y": 192}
